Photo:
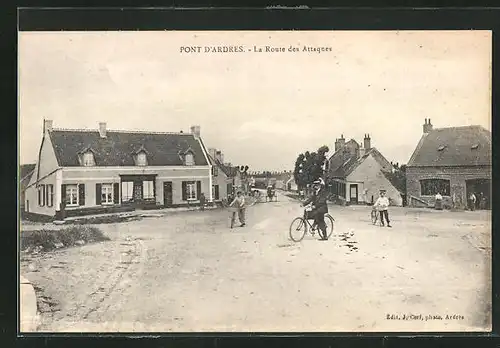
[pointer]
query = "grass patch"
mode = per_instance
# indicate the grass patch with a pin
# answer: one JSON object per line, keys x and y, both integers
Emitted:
{"x": 52, "y": 239}
{"x": 96, "y": 220}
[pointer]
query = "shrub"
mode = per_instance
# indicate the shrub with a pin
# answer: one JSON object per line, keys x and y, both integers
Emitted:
{"x": 48, "y": 239}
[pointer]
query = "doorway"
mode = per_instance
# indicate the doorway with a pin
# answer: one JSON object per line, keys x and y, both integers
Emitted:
{"x": 482, "y": 190}
{"x": 167, "y": 194}
{"x": 353, "y": 190}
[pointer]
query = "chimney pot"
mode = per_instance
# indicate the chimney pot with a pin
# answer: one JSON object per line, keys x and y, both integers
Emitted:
{"x": 195, "y": 130}
{"x": 102, "y": 129}
{"x": 427, "y": 126}
{"x": 47, "y": 124}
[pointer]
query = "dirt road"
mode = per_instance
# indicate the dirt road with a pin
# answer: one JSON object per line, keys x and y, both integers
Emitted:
{"x": 190, "y": 272}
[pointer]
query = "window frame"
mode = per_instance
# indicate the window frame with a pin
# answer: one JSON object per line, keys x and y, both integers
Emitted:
{"x": 444, "y": 189}
{"x": 109, "y": 188}
{"x": 88, "y": 155}
{"x": 194, "y": 191}
{"x": 191, "y": 156}
{"x": 69, "y": 188}
{"x": 126, "y": 184}
{"x": 151, "y": 187}
{"x": 141, "y": 163}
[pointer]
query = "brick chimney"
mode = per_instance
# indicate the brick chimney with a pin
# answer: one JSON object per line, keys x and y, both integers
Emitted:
{"x": 339, "y": 143}
{"x": 427, "y": 126}
{"x": 212, "y": 152}
{"x": 47, "y": 125}
{"x": 219, "y": 156}
{"x": 195, "y": 130}
{"x": 102, "y": 129}
{"x": 367, "y": 144}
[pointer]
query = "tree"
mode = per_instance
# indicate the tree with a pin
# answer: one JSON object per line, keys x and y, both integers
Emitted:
{"x": 309, "y": 166}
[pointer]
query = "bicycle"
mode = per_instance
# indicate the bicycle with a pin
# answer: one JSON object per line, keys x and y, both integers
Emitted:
{"x": 304, "y": 226}
{"x": 374, "y": 215}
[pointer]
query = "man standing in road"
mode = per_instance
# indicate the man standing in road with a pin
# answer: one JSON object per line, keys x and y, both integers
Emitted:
{"x": 239, "y": 203}
{"x": 382, "y": 204}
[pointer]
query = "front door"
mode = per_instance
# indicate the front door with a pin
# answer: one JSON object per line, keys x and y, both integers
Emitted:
{"x": 167, "y": 194}
{"x": 137, "y": 191}
{"x": 354, "y": 193}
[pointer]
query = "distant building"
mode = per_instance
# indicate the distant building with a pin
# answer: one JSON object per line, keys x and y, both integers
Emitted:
{"x": 25, "y": 173}
{"x": 225, "y": 176}
{"x": 356, "y": 174}
{"x": 454, "y": 161}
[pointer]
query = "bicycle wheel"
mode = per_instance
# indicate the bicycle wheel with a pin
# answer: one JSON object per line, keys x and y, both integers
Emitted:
{"x": 330, "y": 225}
{"x": 374, "y": 217}
{"x": 297, "y": 229}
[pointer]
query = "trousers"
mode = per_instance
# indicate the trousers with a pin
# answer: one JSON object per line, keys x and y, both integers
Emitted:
{"x": 386, "y": 214}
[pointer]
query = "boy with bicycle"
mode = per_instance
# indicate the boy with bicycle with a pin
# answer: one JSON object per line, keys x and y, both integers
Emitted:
{"x": 382, "y": 205}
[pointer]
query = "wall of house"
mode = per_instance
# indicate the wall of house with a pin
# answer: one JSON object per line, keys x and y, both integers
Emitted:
{"x": 456, "y": 175}
{"x": 45, "y": 173}
{"x": 110, "y": 175}
{"x": 222, "y": 180}
{"x": 370, "y": 180}
{"x": 31, "y": 197}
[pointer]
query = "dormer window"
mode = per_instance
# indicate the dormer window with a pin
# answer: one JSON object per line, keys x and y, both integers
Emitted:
{"x": 141, "y": 159}
{"x": 189, "y": 159}
{"x": 86, "y": 157}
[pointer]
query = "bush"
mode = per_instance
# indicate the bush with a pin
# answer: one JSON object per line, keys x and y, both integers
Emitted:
{"x": 48, "y": 239}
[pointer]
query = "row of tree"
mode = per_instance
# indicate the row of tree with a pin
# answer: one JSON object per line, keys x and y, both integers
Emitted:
{"x": 309, "y": 167}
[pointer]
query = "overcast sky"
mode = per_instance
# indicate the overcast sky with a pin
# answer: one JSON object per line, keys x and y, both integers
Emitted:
{"x": 260, "y": 109}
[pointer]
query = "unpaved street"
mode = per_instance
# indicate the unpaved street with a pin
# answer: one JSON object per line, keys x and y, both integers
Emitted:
{"x": 189, "y": 272}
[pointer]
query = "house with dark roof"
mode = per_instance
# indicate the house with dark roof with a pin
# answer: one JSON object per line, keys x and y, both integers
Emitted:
{"x": 89, "y": 171}
{"x": 356, "y": 174}
{"x": 454, "y": 161}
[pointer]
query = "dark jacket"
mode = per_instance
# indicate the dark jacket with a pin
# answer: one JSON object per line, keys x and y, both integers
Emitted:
{"x": 319, "y": 201}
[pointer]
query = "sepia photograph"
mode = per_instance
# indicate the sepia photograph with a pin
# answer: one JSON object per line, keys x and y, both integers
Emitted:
{"x": 254, "y": 181}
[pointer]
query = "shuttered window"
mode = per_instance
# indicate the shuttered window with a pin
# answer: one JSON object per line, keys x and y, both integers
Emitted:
{"x": 215, "y": 191}
{"x": 41, "y": 195}
{"x": 189, "y": 192}
{"x": 71, "y": 197}
{"x": 107, "y": 194}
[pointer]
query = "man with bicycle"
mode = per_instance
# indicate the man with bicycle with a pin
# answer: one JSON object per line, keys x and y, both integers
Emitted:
{"x": 319, "y": 207}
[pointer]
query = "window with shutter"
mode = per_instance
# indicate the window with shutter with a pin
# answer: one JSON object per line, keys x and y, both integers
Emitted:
{"x": 71, "y": 195}
{"x": 106, "y": 193}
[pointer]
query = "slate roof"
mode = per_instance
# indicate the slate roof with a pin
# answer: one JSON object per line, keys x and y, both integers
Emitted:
{"x": 25, "y": 173}
{"x": 26, "y": 169}
{"x": 118, "y": 147}
{"x": 341, "y": 165}
{"x": 445, "y": 147}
